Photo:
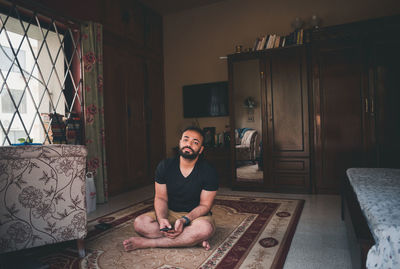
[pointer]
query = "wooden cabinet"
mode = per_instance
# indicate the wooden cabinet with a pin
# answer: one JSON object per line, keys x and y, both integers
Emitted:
{"x": 219, "y": 157}
{"x": 133, "y": 95}
{"x": 340, "y": 135}
{"x": 355, "y": 88}
{"x": 327, "y": 106}
{"x": 282, "y": 76}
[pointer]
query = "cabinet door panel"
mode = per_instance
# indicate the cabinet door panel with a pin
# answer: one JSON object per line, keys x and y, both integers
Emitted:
{"x": 126, "y": 19}
{"x": 291, "y": 181}
{"x": 115, "y": 119}
{"x": 124, "y": 118}
{"x": 113, "y": 21}
{"x": 136, "y": 143}
{"x": 387, "y": 108}
{"x": 291, "y": 165}
{"x": 288, "y": 103}
{"x": 339, "y": 112}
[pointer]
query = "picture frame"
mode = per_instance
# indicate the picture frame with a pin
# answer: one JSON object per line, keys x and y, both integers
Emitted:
{"x": 209, "y": 136}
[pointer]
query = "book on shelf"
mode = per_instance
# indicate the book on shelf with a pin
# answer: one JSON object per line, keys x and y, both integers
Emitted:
{"x": 281, "y": 41}
{"x": 256, "y": 44}
{"x": 301, "y": 36}
{"x": 262, "y": 43}
{"x": 277, "y": 40}
{"x": 266, "y": 41}
{"x": 259, "y": 43}
{"x": 271, "y": 41}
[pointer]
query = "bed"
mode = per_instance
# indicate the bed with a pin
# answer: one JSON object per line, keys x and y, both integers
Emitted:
{"x": 377, "y": 192}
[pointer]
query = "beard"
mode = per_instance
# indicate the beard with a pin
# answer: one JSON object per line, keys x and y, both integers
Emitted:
{"x": 187, "y": 155}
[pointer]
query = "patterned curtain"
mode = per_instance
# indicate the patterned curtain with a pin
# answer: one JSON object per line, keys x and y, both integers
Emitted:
{"x": 92, "y": 48}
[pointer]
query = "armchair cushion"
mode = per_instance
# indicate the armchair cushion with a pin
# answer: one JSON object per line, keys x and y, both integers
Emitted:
{"x": 42, "y": 195}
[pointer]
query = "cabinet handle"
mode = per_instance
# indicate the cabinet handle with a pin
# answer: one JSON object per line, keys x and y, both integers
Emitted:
{"x": 366, "y": 105}
{"x": 372, "y": 105}
{"x": 270, "y": 112}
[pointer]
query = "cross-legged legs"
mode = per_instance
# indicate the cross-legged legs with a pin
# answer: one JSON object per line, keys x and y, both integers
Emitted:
{"x": 199, "y": 231}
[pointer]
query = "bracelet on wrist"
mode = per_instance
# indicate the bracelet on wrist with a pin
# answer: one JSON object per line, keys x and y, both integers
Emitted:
{"x": 187, "y": 221}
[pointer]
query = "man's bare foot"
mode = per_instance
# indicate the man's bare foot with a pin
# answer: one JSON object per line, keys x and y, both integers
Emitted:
{"x": 206, "y": 245}
{"x": 133, "y": 243}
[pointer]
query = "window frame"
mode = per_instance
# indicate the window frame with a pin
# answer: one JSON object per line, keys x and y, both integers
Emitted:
{"x": 71, "y": 84}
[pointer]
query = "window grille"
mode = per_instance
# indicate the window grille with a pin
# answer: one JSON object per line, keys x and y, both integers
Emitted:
{"x": 40, "y": 74}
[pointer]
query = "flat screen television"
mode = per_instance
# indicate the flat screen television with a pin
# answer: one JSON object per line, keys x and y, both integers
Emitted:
{"x": 206, "y": 100}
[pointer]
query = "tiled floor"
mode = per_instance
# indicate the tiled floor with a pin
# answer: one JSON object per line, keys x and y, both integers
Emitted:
{"x": 319, "y": 242}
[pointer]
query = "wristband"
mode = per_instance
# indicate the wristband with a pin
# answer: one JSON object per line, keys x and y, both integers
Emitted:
{"x": 187, "y": 220}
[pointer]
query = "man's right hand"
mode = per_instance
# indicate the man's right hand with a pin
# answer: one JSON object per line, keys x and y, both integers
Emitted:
{"x": 164, "y": 223}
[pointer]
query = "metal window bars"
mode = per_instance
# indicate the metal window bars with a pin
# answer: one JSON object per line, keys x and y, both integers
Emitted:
{"x": 53, "y": 70}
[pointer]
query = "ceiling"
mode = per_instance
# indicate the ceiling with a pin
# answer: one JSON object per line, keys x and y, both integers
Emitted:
{"x": 170, "y": 6}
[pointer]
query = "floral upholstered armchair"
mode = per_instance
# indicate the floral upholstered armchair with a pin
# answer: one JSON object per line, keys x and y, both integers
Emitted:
{"x": 246, "y": 147}
{"x": 42, "y": 196}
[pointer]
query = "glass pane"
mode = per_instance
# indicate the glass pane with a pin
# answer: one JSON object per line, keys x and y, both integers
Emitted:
{"x": 37, "y": 132}
{"x": 16, "y": 131}
{"x": 248, "y": 123}
{"x": 7, "y": 105}
{"x": 15, "y": 135}
{"x": 35, "y": 64}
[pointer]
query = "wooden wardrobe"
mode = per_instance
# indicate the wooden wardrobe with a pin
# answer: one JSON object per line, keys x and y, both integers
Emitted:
{"x": 326, "y": 106}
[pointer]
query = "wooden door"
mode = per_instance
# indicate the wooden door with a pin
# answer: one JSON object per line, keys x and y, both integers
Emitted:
{"x": 339, "y": 92}
{"x": 288, "y": 147}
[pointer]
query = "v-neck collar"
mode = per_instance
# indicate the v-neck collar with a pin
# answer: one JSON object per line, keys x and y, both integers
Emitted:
{"x": 191, "y": 172}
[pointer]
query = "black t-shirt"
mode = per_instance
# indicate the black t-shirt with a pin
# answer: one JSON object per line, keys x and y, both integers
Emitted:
{"x": 184, "y": 193}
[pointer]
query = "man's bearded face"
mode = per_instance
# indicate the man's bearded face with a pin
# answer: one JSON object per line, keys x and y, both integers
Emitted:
{"x": 188, "y": 153}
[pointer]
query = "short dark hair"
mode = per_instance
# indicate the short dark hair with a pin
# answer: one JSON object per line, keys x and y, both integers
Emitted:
{"x": 196, "y": 129}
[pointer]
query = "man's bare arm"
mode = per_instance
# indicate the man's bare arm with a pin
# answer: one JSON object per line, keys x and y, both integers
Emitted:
{"x": 161, "y": 204}
{"x": 206, "y": 202}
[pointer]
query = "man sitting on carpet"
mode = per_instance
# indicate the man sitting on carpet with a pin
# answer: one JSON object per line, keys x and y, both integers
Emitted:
{"x": 185, "y": 188}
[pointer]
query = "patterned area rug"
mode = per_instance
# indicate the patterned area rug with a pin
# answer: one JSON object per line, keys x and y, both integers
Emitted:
{"x": 251, "y": 233}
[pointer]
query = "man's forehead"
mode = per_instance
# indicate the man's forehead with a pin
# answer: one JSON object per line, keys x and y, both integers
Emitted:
{"x": 192, "y": 134}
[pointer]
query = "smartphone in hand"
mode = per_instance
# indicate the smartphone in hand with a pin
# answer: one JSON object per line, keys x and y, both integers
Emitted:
{"x": 166, "y": 229}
